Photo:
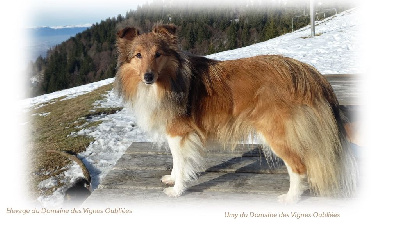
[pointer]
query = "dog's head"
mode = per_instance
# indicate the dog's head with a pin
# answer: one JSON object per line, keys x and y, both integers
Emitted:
{"x": 149, "y": 56}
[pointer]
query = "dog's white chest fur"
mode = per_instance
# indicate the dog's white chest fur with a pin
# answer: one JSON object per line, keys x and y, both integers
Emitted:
{"x": 146, "y": 109}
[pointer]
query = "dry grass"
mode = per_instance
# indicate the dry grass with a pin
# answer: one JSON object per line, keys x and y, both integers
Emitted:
{"x": 50, "y": 129}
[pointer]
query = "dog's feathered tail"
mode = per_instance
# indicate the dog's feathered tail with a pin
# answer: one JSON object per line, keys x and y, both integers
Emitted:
{"x": 317, "y": 134}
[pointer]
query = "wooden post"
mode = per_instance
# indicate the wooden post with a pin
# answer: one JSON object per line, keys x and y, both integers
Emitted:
{"x": 312, "y": 18}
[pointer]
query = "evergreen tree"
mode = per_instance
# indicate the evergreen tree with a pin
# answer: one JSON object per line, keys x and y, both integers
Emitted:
{"x": 232, "y": 35}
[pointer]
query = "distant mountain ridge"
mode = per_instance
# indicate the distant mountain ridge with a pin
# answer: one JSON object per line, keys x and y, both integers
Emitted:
{"x": 52, "y": 31}
{"x": 44, "y": 38}
{"x": 71, "y": 26}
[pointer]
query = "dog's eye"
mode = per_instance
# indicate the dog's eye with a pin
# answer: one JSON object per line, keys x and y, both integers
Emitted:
{"x": 138, "y": 55}
{"x": 157, "y": 54}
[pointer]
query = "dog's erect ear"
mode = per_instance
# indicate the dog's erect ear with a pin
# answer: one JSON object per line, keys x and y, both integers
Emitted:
{"x": 128, "y": 33}
{"x": 169, "y": 29}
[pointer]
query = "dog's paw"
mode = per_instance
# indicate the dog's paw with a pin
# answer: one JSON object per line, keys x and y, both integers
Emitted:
{"x": 168, "y": 180}
{"x": 288, "y": 199}
{"x": 172, "y": 192}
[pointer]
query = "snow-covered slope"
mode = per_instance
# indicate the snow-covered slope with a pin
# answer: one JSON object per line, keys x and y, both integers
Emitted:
{"x": 333, "y": 50}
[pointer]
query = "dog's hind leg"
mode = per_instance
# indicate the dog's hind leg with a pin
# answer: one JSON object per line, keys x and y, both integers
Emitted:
{"x": 294, "y": 164}
{"x": 297, "y": 174}
{"x": 187, "y": 162}
{"x": 297, "y": 187}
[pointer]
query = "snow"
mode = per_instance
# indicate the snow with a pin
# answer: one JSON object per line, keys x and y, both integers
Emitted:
{"x": 333, "y": 50}
{"x": 67, "y": 94}
{"x": 55, "y": 200}
{"x": 112, "y": 137}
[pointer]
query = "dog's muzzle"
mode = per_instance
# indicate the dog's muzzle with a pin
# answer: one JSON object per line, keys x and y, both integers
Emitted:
{"x": 148, "y": 78}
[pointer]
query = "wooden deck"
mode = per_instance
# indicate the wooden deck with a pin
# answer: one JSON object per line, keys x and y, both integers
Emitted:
{"x": 240, "y": 175}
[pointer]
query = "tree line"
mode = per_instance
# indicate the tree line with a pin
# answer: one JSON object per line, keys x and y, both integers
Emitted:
{"x": 91, "y": 55}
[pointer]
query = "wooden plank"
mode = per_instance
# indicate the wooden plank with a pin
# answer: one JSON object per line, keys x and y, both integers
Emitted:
{"x": 155, "y": 201}
{"x": 150, "y": 179}
{"x": 241, "y": 183}
{"x": 156, "y": 198}
{"x": 214, "y": 163}
{"x": 153, "y": 162}
{"x": 346, "y": 87}
{"x": 133, "y": 179}
{"x": 147, "y": 148}
{"x": 259, "y": 165}
{"x": 252, "y": 161}
{"x": 159, "y": 149}
{"x": 142, "y": 196}
{"x": 223, "y": 182}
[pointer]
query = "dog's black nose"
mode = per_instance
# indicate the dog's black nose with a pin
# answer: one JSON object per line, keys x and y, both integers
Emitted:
{"x": 149, "y": 78}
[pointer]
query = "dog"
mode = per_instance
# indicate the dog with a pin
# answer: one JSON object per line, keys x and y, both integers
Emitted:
{"x": 191, "y": 100}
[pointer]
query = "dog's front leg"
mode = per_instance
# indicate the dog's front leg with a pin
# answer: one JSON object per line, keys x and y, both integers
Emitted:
{"x": 187, "y": 162}
{"x": 170, "y": 179}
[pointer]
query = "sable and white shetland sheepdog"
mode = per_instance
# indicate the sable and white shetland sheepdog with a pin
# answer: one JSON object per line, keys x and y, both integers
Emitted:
{"x": 191, "y": 99}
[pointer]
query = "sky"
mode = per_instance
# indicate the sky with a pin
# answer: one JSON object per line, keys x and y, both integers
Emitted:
{"x": 76, "y": 12}
{"x": 82, "y": 12}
